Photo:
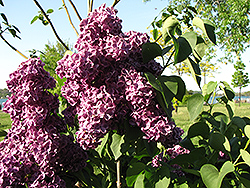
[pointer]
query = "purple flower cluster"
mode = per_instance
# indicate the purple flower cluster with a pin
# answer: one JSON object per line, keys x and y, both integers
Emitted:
{"x": 33, "y": 152}
{"x": 172, "y": 153}
{"x": 105, "y": 83}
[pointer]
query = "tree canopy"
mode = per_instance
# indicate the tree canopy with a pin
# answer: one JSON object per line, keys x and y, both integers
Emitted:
{"x": 232, "y": 21}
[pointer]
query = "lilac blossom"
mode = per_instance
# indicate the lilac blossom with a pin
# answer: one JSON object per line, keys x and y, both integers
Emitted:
{"x": 34, "y": 153}
{"x": 105, "y": 83}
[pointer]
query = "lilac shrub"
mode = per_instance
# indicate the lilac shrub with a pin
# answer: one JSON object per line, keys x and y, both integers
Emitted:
{"x": 106, "y": 86}
{"x": 34, "y": 153}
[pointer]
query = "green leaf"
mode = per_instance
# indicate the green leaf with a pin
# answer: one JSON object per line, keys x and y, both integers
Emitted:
{"x": 150, "y": 51}
{"x": 104, "y": 140}
{"x": 207, "y": 27}
{"x": 163, "y": 183}
{"x": 139, "y": 183}
{"x": 230, "y": 108}
{"x": 117, "y": 141}
{"x": 195, "y": 70}
{"x": 155, "y": 34}
{"x": 218, "y": 116}
{"x": 175, "y": 84}
{"x": 209, "y": 88}
{"x": 179, "y": 8}
{"x": 133, "y": 172}
{"x": 3, "y": 133}
{"x": 219, "y": 142}
{"x": 245, "y": 156}
{"x": 200, "y": 48}
{"x": 169, "y": 26}
{"x": 211, "y": 177}
{"x": 60, "y": 81}
{"x": 153, "y": 81}
{"x": 4, "y": 18}
{"x": 194, "y": 105}
{"x": 13, "y": 32}
{"x": 199, "y": 129}
{"x": 184, "y": 50}
{"x": 247, "y": 131}
{"x": 239, "y": 122}
{"x": 191, "y": 37}
{"x": 49, "y": 11}
{"x": 34, "y": 19}
{"x": 244, "y": 181}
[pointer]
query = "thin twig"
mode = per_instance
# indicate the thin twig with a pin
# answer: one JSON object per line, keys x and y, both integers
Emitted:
{"x": 12, "y": 47}
{"x": 118, "y": 168}
{"x": 165, "y": 66}
{"x": 90, "y": 5}
{"x": 115, "y": 2}
{"x": 70, "y": 21}
{"x": 77, "y": 13}
{"x": 50, "y": 23}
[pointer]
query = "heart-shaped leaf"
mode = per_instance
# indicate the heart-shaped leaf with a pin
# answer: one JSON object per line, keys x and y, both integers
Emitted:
{"x": 117, "y": 141}
{"x": 169, "y": 26}
{"x": 198, "y": 129}
{"x": 139, "y": 183}
{"x": 163, "y": 183}
{"x": 219, "y": 142}
{"x": 211, "y": 177}
{"x": 194, "y": 105}
{"x": 150, "y": 50}
{"x": 133, "y": 172}
{"x": 207, "y": 27}
{"x": 247, "y": 131}
{"x": 245, "y": 156}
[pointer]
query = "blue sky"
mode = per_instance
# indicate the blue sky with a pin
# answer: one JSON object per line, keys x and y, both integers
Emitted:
{"x": 135, "y": 14}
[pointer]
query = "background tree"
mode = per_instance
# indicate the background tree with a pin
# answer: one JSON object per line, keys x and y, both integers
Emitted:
{"x": 240, "y": 79}
{"x": 232, "y": 20}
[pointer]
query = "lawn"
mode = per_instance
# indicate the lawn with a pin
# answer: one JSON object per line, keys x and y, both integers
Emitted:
{"x": 182, "y": 117}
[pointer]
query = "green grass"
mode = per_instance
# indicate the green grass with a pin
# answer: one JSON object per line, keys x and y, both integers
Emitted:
{"x": 5, "y": 122}
{"x": 182, "y": 117}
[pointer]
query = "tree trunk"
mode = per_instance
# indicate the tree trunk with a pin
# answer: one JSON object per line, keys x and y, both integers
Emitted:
{"x": 239, "y": 96}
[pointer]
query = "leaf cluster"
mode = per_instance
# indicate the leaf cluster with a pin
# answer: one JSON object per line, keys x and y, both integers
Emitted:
{"x": 189, "y": 47}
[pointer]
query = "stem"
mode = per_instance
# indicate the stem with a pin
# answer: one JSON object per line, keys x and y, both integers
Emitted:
{"x": 90, "y": 5}
{"x": 50, "y": 23}
{"x": 77, "y": 13}
{"x": 165, "y": 66}
{"x": 115, "y": 2}
{"x": 70, "y": 21}
{"x": 12, "y": 47}
{"x": 118, "y": 167}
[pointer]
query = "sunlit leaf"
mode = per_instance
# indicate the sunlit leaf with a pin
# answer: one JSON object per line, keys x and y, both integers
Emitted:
{"x": 163, "y": 183}
{"x": 245, "y": 156}
{"x": 247, "y": 131}
{"x": 133, "y": 172}
{"x": 34, "y": 19}
{"x": 139, "y": 183}
{"x": 117, "y": 141}
{"x": 194, "y": 105}
{"x": 49, "y": 11}
{"x": 212, "y": 177}
{"x": 168, "y": 27}
{"x": 207, "y": 27}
